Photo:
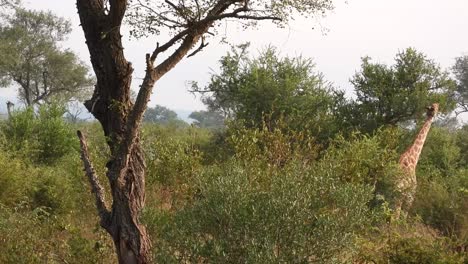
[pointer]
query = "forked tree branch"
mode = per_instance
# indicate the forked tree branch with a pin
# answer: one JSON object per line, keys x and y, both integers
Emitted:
{"x": 188, "y": 37}
{"x": 96, "y": 188}
{"x": 200, "y": 48}
{"x": 151, "y": 76}
{"x": 117, "y": 11}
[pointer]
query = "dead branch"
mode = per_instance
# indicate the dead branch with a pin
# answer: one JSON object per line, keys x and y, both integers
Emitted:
{"x": 188, "y": 38}
{"x": 200, "y": 48}
{"x": 96, "y": 188}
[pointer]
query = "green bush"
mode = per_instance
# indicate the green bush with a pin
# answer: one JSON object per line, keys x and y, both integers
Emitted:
{"x": 44, "y": 188}
{"x": 35, "y": 237}
{"x": 52, "y": 191}
{"x": 244, "y": 214}
{"x": 442, "y": 196}
{"x": 441, "y": 151}
{"x": 275, "y": 147}
{"x": 369, "y": 160}
{"x": 43, "y": 137}
{"x": 14, "y": 180}
{"x": 442, "y": 203}
{"x": 88, "y": 250}
{"x": 417, "y": 251}
{"x": 54, "y": 135}
{"x": 172, "y": 154}
{"x": 462, "y": 143}
{"x": 410, "y": 242}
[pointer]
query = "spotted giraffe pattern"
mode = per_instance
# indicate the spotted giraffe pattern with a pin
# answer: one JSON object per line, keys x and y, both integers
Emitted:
{"x": 406, "y": 185}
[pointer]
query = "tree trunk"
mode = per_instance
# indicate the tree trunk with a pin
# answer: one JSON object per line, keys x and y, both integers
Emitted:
{"x": 130, "y": 238}
{"x": 111, "y": 106}
{"x": 120, "y": 119}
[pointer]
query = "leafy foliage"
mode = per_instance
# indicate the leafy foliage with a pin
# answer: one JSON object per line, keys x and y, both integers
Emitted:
{"x": 460, "y": 70}
{"x": 268, "y": 88}
{"x": 43, "y": 137}
{"x": 275, "y": 196}
{"x": 160, "y": 114}
{"x": 441, "y": 200}
{"x": 245, "y": 214}
{"x": 278, "y": 184}
{"x": 388, "y": 95}
{"x": 148, "y": 17}
{"x": 171, "y": 159}
{"x": 32, "y": 58}
{"x": 208, "y": 119}
{"x": 413, "y": 243}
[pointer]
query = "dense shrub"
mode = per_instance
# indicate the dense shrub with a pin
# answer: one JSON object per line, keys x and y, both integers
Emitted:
{"x": 47, "y": 213}
{"x": 442, "y": 203}
{"x": 36, "y": 237}
{"x": 442, "y": 196}
{"x": 43, "y": 137}
{"x": 369, "y": 160}
{"x": 274, "y": 146}
{"x": 50, "y": 189}
{"x": 441, "y": 152}
{"x": 13, "y": 180}
{"x": 462, "y": 143}
{"x": 172, "y": 153}
{"x": 243, "y": 214}
{"x": 404, "y": 243}
{"x": 417, "y": 251}
{"x": 256, "y": 195}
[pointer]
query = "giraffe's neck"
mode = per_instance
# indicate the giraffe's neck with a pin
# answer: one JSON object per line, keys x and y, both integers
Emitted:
{"x": 415, "y": 149}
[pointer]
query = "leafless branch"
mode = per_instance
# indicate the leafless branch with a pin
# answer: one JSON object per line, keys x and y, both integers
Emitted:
{"x": 198, "y": 10}
{"x": 463, "y": 108}
{"x": 200, "y": 48}
{"x": 174, "y": 6}
{"x": 96, "y": 187}
{"x": 188, "y": 37}
{"x": 162, "y": 16}
{"x": 168, "y": 44}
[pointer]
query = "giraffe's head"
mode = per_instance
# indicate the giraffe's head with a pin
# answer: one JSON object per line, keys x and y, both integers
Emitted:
{"x": 432, "y": 110}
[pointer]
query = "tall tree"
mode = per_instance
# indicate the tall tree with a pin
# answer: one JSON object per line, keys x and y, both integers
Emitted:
{"x": 159, "y": 114}
{"x": 190, "y": 22}
{"x": 207, "y": 119}
{"x": 268, "y": 88}
{"x": 388, "y": 95}
{"x": 30, "y": 57}
{"x": 461, "y": 74}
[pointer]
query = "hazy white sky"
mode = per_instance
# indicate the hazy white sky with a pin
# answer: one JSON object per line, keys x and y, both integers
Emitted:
{"x": 377, "y": 28}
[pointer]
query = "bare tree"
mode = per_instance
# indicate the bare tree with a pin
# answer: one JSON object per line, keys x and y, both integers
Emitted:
{"x": 74, "y": 111}
{"x": 191, "y": 22}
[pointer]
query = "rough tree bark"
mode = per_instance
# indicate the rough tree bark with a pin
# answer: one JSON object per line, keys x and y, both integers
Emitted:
{"x": 120, "y": 118}
{"x": 111, "y": 106}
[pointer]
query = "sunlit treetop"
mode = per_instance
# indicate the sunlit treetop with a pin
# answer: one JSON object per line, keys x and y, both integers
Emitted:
{"x": 150, "y": 17}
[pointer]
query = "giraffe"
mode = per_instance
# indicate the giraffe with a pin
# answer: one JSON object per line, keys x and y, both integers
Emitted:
{"x": 407, "y": 184}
